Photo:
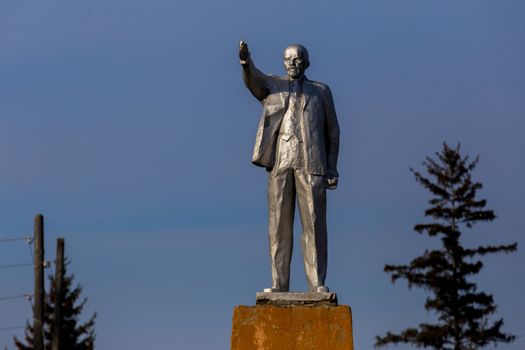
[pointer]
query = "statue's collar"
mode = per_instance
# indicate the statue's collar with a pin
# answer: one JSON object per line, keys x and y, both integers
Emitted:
{"x": 301, "y": 80}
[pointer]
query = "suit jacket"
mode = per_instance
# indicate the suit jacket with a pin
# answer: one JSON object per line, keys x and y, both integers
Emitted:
{"x": 320, "y": 131}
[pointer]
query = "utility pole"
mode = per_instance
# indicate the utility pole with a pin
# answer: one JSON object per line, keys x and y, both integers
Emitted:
{"x": 59, "y": 296}
{"x": 38, "y": 308}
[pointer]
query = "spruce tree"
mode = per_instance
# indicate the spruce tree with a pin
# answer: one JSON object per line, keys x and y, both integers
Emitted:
{"x": 76, "y": 335}
{"x": 462, "y": 312}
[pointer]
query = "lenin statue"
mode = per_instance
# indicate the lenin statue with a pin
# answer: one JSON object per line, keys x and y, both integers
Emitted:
{"x": 297, "y": 142}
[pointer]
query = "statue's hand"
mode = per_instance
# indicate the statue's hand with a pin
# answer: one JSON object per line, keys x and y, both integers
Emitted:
{"x": 244, "y": 53}
{"x": 332, "y": 183}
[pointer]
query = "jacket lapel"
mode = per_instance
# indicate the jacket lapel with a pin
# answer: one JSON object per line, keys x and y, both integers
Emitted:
{"x": 307, "y": 93}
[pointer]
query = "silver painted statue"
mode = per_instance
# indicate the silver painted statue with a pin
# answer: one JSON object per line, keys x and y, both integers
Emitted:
{"x": 298, "y": 143}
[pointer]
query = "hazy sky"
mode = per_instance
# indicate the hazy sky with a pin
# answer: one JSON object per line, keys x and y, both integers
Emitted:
{"x": 126, "y": 123}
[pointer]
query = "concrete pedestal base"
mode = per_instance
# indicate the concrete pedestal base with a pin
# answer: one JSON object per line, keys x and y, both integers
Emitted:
{"x": 298, "y": 327}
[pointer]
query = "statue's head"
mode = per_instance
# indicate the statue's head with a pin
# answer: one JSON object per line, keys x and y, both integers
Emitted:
{"x": 296, "y": 61}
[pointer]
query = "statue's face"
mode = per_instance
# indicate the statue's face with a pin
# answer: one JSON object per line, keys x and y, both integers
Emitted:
{"x": 295, "y": 61}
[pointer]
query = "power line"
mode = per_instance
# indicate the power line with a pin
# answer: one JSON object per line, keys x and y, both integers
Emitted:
{"x": 28, "y": 239}
{"x": 23, "y": 296}
{"x": 15, "y": 265}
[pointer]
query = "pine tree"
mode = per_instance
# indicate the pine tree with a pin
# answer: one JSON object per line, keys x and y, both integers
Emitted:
{"x": 462, "y": 311}
{"x": 75, "y": 334}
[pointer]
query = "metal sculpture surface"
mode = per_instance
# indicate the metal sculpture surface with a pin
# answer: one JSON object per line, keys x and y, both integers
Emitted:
{"x": 297, "y": 142}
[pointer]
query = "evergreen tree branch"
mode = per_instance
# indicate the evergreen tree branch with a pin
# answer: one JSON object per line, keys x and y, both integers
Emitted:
{"x": 484, "y": 250}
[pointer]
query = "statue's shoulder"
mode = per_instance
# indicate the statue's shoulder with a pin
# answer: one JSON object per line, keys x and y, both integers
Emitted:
{"x": 276, "y": 83}
{"x": 318, "y": 88}
{"x": 277, "y": 79}
{"x": 318, "y": 85}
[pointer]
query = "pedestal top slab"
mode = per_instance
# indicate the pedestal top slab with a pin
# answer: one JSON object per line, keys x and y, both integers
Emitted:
{"x": 295, "y": 298}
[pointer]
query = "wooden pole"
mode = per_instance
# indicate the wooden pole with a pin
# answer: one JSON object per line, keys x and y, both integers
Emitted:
{"x": 59, "y": 296}
{"x": 38, "y": 308}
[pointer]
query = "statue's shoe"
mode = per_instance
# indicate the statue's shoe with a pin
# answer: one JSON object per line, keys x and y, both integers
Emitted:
{"x": 274, "y": 290}
{"x": 322, "y": 289}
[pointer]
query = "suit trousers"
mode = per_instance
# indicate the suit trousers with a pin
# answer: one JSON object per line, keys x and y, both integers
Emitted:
{"x": 284, "y": 187}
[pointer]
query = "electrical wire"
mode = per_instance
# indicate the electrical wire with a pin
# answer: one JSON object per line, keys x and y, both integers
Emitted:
{"x": 15, "y": 265}
{"x": 24, "y": 296}
{"x": 28, "y": 239}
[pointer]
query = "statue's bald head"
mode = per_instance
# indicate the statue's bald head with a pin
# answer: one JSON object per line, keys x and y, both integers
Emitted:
{"x": 296, "y": 60}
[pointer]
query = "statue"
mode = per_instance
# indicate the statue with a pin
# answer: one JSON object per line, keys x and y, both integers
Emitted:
{"x": 297, "y": 142}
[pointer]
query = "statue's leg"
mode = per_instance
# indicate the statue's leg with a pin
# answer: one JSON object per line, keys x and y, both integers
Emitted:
{"x": 311, "y": 195}
{"x": 281, "y": 207}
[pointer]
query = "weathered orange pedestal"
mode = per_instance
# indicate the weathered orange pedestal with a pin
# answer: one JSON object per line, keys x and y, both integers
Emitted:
{"x": 267, "y": 327}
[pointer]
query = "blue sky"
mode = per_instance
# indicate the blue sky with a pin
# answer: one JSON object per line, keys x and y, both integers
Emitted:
{"x": 126, "y": 123}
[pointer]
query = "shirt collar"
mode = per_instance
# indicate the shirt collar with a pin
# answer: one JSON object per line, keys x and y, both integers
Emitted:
{"x": 296, "y": 84}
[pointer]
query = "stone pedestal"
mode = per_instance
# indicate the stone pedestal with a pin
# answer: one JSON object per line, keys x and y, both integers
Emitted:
{"x": 275, "y": 324}
{"x": 294, "y": 299}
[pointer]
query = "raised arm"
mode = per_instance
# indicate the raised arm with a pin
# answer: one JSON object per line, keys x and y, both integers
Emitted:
{"x": 253, "y": 78}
